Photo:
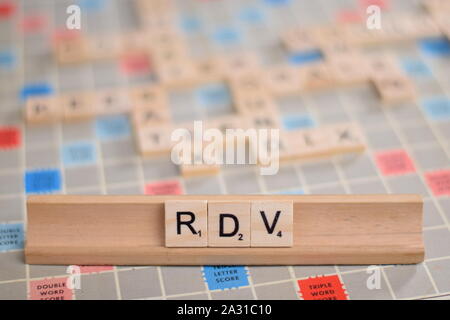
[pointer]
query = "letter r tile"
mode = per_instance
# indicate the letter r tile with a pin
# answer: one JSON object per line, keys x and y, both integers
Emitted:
{"x": 186, "y": 223}
{"x": 228, "y": 224}
{"x": 272, "y": 224}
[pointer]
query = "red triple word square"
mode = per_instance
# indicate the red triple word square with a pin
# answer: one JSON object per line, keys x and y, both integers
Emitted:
{"x": 9, "y": 137}
{"x": 322, "y": 288}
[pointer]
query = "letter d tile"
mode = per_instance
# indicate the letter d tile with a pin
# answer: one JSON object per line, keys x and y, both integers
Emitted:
{"x": 228, "y": 224}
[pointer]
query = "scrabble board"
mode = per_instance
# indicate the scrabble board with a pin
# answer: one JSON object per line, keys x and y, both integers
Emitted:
{"x": 408, "y": 145}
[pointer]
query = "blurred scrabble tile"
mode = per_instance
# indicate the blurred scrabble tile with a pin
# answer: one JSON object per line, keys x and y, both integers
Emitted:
{"x": 146, "y": 7}
{"x": 346, "y": 137}
{"x": 316, "y": 76}
{"x": 269, "y": 119}
{"x": 299, "y": 40}
{"x": 104, "y": 47}
{"x": 208, "y": 70}
{"x": 144, "y": 117}
{"x": 247, "y": 83}
{"x": 236, "y": 64}
{"x": 159, "y": 22}
{"x": 327, "y": 34}
{"x": 150, "y": 96}
{"x": 186, "y": 223}
{"x": 225, "y": 125}
{"x": 112, "y": 101}
{"x": 395, "y": 89}
{"x": 169, "y": 52}
{"x": 224, "y": 122}
{"x": 270, "y": 148}
{"x": 199, "y": 170}
{"x": 417, "y": 26}
{"x": 228, "y": 224}
{"x": 272, "y": 224}
{"x": 42, "y": 110}
{"x": 283, "y": 80}
{"x": 381, "y": 66}
{"x": 131, "y": 41}
{"x": 348, "y": 69}
{"x": 164, "y": 39}
{"x": 154, "y": 140}
{"x": 436, "y": 6}
{"x": 78, "y": 106}
{"x": 336, "y": 48}
{"x": 71, "y": 50}
{"x": 441, "y": 19}
{"x": 204, "y": 167}
{"x": 249, "y": 104}
{"x": 360, "y": 35}
{"x": 311, "y": 143}
{"x": 177, "y": 73}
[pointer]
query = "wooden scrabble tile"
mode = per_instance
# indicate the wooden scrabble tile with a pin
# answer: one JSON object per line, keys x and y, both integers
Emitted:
{"x": 298, "y": 40}
{"x": 186, "y": 223}
{"x": 316, "y": 76}
{"x": 247, "y": 83}
{"x": 337, "y": 48}
{"x": 224, "y": 122}
{"x": 143, "y": 117}
{"x": 436, "y": 6}
{"x": 42, "y": 110}
{"x": 104, "y": 47}
{"x": 395, "y": 89}
{"x": 178, "y": 73}
{"x": 77, "y": 106}
{"x": 283, "y": 80}
{"x": 154, "y": 140}
{"x": 228, "y": 224}
{"x": 205, "y": 168}
{"x": 165, "y": 39}
{"x": 208, "y": 70}
{"x": 71, "y": 50}
{"x": 249, "y": 104}
{"x": 112, "y": 101}
{"x": 272, "y": 224}
{"x": 133, "y": 41}
{"x": 360, "y": 35}
{"x": 151, "y": 96}
{"x": 309, "y": 143}
{"x": 169, "y": 53}
{"x": 442, "y": 21}
{"x": 416, "y": 26}
{"x": 161, "y": 22}
{"x": 236, "y": 64}
{"x": 198, "y": 170}
{"x": 269, "y": 119}
{"x": 325, "y": 35}
{"x": 346, "y": 137}
{"x": 381, "y": 66}
{"x": 265, "y": 149}
{"x": 348, "y": 69}
{"x": 287, "y": 148}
